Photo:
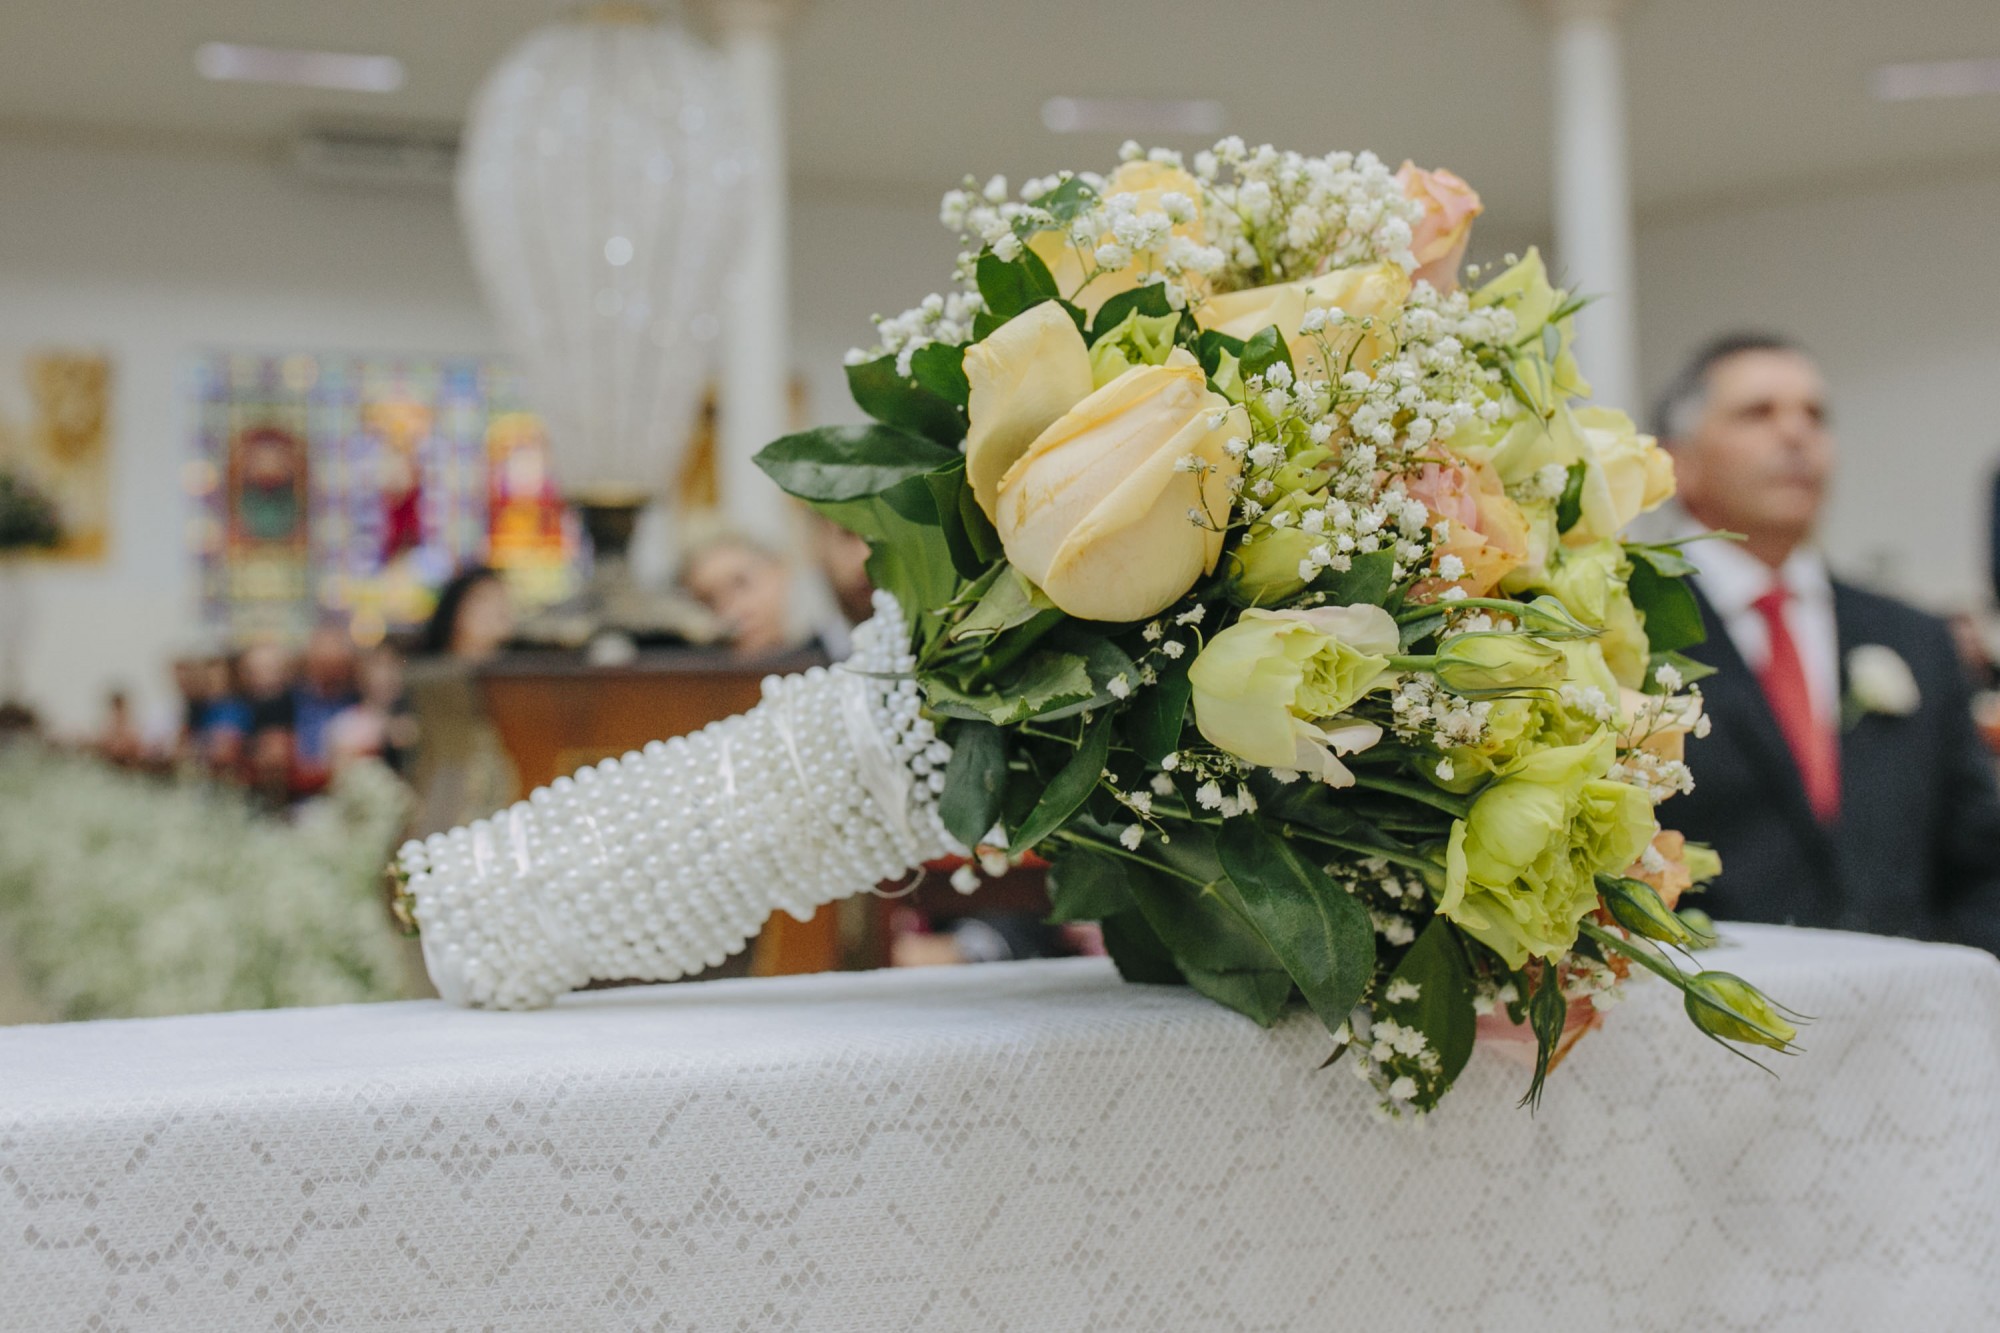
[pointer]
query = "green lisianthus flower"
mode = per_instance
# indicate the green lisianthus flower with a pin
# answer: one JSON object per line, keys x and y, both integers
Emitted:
{"x": 1264, "y": 686}
{"x": 1590, "y": 582}
{"x": 1521, "y": 867}
{"x": 1136, "y": 340}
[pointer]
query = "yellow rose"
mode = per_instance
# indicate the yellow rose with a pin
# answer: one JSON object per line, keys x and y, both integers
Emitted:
{"x": 1101, "y": 512}
{"x": 1264, "y": 686}
{"x": 1024, "y": 376}
{"x": 1377, "y": 291}
{"x": 1625, "y": 474}
{"x": 1071, "y": 264}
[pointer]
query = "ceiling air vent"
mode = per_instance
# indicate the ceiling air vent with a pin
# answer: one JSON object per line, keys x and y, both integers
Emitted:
{"x": 423, "y": 156}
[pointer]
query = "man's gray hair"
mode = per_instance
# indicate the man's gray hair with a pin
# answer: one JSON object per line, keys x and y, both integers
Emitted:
{"x": 1678, "y": 410}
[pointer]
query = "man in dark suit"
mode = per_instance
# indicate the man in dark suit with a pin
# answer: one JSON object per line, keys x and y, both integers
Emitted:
{"x": 1843, "y": 782}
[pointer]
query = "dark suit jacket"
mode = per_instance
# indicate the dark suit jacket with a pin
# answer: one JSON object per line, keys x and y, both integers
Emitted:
{"x": 1916, "y": 850}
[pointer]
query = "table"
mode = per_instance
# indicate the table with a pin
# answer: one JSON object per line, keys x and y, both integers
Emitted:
{"x": 1024, "y": 1146}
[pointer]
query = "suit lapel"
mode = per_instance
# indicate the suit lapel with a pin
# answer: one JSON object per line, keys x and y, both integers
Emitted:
{"x": 1736, "y": 702}
{"x": 1863, "y": 765}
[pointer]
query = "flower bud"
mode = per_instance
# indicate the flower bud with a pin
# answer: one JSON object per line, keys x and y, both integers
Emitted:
{"x": 1639, "y": 908}
{"x": 1727, "y": 1006}
{"x": 1484, "y": 666}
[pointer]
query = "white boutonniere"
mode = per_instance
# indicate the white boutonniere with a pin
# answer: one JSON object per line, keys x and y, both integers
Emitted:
{"x": 1879, "y": 681}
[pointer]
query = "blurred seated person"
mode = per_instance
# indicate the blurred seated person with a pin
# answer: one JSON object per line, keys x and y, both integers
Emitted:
{"x": 191, "y": 683}
{"x": 765, "y": 605}
{"x": 223, "y": 714}
{"x": 1843, "y": 782}
{"x": 120, "y": 741}
{"x": 264, "y": 683}
{"x": 325, "y": 687}
{"x": 460, "y": 769}
{"x": 377, "y": 725}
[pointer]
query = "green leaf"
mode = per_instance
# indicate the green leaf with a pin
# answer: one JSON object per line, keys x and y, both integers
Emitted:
{"x": 1666, "y": 560}
{"x": 1066, "y": 793}
{"x": 1158, "y": 714}
{"x": 1416, "y": 631}
{"x": 1442, "y": 1011}
{"x": 1141, "y": 957}
{"x": 1672, "y": 615}
{"x": 904, "y": 402}
{"x": 1321, "y": 934}
{"x": 836, "y": 463}
{"x": 1067, "y": 200}
{"x": 1211, "y": 347}
{"x": 1367, "y": 581}
{"x": 1218, "y": 952}
{"x": 978, "y": 528}
{"x": 908, "y": 555}
{"x": 1047, "y": 679}
{"x": 949, "y": 494}
{"x": 1102, "y": 660}
{"x": 1260, "y": 995}
{"x": 1085, "y": 886}
{"x": 974, "y": 781}
{"x": 1570, "y": 507}
{"x": 1009, "y": 601}
{"x": 1150, "y": 301}
{"x": 939, "y": 368}
{"x": 1009, "y": 286}
{"x": 1691, "y": 670}
{"x": 1263, "y": 350}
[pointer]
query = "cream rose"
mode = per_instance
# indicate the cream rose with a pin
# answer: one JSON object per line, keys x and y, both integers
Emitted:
{"x": 1625, "y": 475}
{"x": 1070, "y": 263}
{"x": 1103, "y": 513}
{"x": 1376, "y": 291}
{"x": 1024, "y": 375}
{"x": 1441, "y": 236}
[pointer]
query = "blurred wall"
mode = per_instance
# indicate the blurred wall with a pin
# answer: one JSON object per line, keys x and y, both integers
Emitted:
{"x": 155, "y": 256}
{"x": 1894, "y": 287}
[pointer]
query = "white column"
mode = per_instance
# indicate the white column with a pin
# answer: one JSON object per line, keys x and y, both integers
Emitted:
{"x": 1593, "y": 193}
{"x": 754, "y": 405}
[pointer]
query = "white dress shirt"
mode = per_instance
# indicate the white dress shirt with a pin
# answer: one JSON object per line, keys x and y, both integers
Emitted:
{"x": 1731, "y": 578}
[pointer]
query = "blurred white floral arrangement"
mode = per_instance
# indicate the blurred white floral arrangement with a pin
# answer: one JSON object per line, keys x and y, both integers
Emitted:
{"x": 125, "y": 896}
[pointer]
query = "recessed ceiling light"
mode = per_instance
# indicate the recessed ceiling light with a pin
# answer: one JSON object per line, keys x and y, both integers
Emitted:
{"x": 1132, "y": 115}
{"x": 227, "y": 62}
{"x": 1919, "y": 79}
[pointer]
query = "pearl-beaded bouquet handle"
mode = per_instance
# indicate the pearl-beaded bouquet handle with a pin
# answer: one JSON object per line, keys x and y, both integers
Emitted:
{"x": 668, "y": 860}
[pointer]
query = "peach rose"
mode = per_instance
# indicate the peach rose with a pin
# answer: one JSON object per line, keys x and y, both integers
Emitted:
{"x": 1488, "y": 533}
{"x": 1673, "y": 878}
{"x": 1450, "y": 205}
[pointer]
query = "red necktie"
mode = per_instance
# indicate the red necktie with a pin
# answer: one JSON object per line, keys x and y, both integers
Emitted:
{"x": 1814, "y": 747}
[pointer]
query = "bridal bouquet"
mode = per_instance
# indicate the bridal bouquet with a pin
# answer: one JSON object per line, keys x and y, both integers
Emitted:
{"x": 1240, "y": 562}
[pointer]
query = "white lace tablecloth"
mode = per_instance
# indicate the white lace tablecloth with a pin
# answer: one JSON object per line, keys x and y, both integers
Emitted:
{"x": 1026, "y": 1147}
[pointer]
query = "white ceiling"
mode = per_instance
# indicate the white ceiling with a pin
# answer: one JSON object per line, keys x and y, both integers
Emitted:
{"x": 1728, "y": 98}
